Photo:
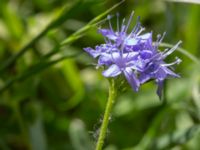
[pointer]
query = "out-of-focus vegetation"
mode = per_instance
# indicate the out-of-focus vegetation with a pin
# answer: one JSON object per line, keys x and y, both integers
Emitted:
{"x": 53, "y": 98}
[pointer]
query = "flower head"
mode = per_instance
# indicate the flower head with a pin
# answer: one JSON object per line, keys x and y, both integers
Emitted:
{"x": 133, "y": 55}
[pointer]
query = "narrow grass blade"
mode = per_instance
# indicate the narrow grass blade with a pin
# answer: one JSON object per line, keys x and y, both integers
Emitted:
{"x": 39, "y": 67}
{"x": 66, "y": 13}
{"x": 92, "y": 23}
{"x": 185, "y": 1}
{"x": 79, "y": 33}
{"x": 34, "y": 70}
{"x": 58, "y": 21}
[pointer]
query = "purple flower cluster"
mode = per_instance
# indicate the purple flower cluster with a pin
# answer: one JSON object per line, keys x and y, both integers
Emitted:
{"x": 134, "y": 55}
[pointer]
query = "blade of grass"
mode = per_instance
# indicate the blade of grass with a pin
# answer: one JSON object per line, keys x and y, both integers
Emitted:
{"x": 34, "y": 70}
{"x": 185, "y": 1}
{"x": 64, "y": 15}
{"x": 79, "y": 33}
{"x": 73, "y": 37}
{"x": 93, "y": 22}
{"x": 67, "y": 13}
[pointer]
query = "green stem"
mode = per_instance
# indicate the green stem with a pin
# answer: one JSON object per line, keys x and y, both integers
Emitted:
{"x": 104, "y": 126}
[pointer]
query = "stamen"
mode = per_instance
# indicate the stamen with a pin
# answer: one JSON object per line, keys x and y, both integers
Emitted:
{"x": 123, "y": 26}
{"x": 177, "y": 61}
{"x": 101, "y": 22}
{"x": 110, "y": 25}
{"x": 156, "y": 56}
{"x": 162, "y": 37}
{"x": 158, "y": 37}
{"x": 107, "y": 40}
{"x": 129, "y": 21}
{"x": 159, "y": 40}
{"x": 140, "y": 31}
{"x": 117, "y": 22}
{"x": 165, "y": 50}
{"x": 171, "y": 50}
{"x": 138, "y": 24}
{"x": 135, "y": 28}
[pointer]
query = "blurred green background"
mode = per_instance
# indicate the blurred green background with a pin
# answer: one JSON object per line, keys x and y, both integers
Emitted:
{"x": 53, "y": 98}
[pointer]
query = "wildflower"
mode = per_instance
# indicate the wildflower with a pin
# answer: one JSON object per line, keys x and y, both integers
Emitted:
{"x": 133, "y": 55}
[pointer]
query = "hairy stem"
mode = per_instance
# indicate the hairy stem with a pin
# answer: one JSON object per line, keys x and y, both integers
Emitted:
{"x": 104, "y": 126}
